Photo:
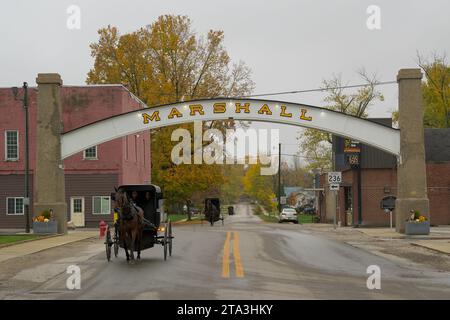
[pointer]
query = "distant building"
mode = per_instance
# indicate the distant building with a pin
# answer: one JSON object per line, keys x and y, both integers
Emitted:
{"x": 379, "y": 179}
{"x": 297, "y": 196}
{"x": 90, "y": 175}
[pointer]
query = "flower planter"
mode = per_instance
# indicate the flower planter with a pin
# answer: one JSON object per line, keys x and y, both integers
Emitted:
{"x": 417, "y": 228}
{"x": 50, "y": 227}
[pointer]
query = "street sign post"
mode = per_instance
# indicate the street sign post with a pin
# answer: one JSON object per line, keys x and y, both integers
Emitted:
{"x": 334, "y": 179}
{"x": 388, "y": 205}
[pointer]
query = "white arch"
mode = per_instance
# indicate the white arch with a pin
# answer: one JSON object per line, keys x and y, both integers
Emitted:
{"x": 365, "y": 131}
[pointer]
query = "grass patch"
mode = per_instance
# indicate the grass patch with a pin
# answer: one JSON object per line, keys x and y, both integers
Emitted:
{"x": 306, "y": 218}
{"x": 270, "y": 218}
{"x": 4, "y": 239}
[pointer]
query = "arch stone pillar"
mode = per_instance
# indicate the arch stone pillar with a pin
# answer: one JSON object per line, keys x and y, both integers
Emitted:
{"x": 49, "y": 175}
{"x": 411, "y": 169}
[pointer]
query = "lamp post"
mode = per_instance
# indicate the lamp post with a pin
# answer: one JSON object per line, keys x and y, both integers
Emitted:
{"x": 279, "y": 178}
{"x": 26, "y": 200}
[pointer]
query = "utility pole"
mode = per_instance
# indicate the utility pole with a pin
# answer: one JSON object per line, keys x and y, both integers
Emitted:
{"x": 279, "y": 177}
{"x": 26, "y": 201}
{"x": 27, "y": 163}
{"x": 359, "y": 189}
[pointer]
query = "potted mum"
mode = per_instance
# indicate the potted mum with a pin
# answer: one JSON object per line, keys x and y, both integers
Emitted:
{"x": 44, "y": 223}
{"x": 417, "y": 224}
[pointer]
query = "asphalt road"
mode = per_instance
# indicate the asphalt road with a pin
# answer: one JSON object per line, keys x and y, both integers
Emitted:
{"x": 243, "y": 259}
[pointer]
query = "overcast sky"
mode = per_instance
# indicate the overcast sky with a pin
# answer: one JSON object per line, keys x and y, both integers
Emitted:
{"x": 289, "y": 45}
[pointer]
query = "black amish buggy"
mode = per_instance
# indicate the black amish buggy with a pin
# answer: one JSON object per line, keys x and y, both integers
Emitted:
{"x": 148, "y": 197}
{"x": 212, "y": 211}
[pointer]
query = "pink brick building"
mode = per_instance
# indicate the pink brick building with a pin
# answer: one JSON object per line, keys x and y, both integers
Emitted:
{"x": 90, "y": 175}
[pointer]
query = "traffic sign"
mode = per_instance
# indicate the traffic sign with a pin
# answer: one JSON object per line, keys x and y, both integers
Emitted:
{"x": 334, "y": 177}
{"x": 334, "y": 186}
{"x": 388, "y": 203}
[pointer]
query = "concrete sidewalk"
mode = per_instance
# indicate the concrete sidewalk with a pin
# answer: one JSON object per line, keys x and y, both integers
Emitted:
{"x": 442, "y": 246}
{"x": 435, "y": 233}
{"x": 29, "y": 247}
{"x": 438, "y": 240}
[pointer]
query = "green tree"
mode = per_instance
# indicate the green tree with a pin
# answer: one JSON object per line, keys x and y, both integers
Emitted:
{"x": 167, "y": 62}
{"x": 435, "y": 91}
{"x": 259, "y": 187}
{"x": 316, "y": 145}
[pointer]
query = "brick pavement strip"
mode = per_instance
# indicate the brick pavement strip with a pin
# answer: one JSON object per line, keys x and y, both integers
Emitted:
{"x": 30, "y": 247}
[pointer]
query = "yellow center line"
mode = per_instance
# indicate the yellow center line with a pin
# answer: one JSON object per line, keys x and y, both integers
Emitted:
{"x": 237, "y": 257}
{"x": 226, "y": 257}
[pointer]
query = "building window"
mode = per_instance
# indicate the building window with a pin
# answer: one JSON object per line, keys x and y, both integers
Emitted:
{"x": 91, "y": 153}
{"x": 14, "y": 206}
{"x": 77, "y": 205}
{"x": 101, "y": 205}
{"x": 12, "y": 145}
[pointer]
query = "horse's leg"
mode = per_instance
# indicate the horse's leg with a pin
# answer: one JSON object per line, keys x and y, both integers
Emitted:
{"x": 125, "y": 247}
{"x": 132, "y": 243}
{"x": 139, "y": 242}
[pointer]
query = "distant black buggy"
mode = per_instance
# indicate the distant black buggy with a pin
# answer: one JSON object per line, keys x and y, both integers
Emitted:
{"x": 212, "y": 211}
{"x": 132, "y": 198}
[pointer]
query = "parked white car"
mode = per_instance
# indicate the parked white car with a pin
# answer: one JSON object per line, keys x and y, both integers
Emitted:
{"x": 288, "y": 214}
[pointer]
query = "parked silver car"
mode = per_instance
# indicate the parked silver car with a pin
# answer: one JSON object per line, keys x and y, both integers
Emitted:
{"x": 288, "y": 214}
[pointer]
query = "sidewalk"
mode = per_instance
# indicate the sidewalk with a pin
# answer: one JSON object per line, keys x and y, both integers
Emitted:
{"x": 435, "y": 233}
{"x": 442, "y": 246}
{"x": 438, "y": 239}
{"x": 22, "y": 249}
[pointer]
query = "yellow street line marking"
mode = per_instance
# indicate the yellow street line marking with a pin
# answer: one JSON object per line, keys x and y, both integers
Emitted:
{"x": 237, "y": 257}
{"x": 226, "y": 257}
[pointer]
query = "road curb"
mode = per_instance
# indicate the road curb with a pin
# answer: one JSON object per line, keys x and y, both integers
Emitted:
{"x": 27, "y": 240}
{"x": 429, "y": 248}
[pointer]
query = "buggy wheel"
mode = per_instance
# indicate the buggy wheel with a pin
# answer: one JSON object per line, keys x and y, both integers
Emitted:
{"x": 170, "y": 238}
{"x": 108, "y": 244}
{"x": 116, "y": 242}
{"x": 165, "y": 242}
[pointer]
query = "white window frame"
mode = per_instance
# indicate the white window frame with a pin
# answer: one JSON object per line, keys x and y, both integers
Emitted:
{"x": 91, "y": 158}
{"x": 15, "y": 199}
{"x": 6, "y": 146}
{"x": 101, "y": 198}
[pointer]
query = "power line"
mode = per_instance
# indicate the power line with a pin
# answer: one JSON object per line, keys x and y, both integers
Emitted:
{"x": 273, "y": 93}
{"x": 318, "y": 89}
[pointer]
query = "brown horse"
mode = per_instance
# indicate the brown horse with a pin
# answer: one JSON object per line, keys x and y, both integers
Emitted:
{"x": 131, "y": 224}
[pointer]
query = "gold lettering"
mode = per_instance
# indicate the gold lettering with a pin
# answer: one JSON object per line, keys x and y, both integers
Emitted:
{"x": 174, "y": 112}
{"x": 154, "y": 116}
{"x": 196, "y": 108}
{"x": 284, "y": 114}
{"x": 265, "y": 109}
{"x": 246, "y": 107}
{"x": 219, "y": 107}
{"x": 303, "y": 115}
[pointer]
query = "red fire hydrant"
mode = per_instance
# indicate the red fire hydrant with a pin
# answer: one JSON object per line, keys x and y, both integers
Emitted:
{"x": 102, "y": 225}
